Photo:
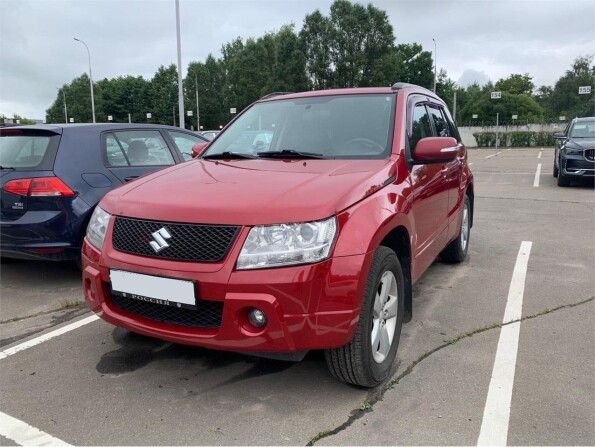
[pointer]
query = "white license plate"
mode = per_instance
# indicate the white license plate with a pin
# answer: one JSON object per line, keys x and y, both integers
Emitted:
{"x": 154, "y": 289}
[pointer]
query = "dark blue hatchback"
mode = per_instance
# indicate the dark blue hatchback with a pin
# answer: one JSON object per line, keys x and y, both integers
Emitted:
{"x": 53, "y": 176}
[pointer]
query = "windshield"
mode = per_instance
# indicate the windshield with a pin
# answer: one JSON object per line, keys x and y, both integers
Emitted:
{"x": 583, "y": 129}
{"x": 341, "y": 126}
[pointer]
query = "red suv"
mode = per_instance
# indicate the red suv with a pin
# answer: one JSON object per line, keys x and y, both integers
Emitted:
{"x": 302, "y": 226}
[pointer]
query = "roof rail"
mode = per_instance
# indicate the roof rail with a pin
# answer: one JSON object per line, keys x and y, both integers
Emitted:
{"x": 399, "y": 85}
{"x": 270, "y": 95}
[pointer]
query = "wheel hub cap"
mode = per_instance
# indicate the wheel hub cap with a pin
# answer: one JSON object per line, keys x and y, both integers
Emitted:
{"x": 384, "y": 316}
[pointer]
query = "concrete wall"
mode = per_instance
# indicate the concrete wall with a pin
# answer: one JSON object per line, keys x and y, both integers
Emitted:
{"x": 469, "y": 139}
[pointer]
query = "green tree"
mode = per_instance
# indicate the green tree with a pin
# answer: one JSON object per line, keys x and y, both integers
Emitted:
{"x": 78, "y": 101}
{"x": 122, "y": 96}
{"x": 480, "y": 103}
{"x": 315, "y": 38}
{"x": 565, "y": 99}
{"x": 164, "y": 95}
{"x": 516, "y": 84}
{"x": 289, "y": 71}
{"x": 352, "y": 47}
{"x": 209, "y": 77}
{"x": 417, "y": 65}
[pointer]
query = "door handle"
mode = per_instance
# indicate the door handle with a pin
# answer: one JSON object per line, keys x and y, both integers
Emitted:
{"x": 132, "y": 177}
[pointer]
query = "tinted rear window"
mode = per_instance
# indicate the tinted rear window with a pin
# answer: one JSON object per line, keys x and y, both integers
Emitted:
{"x": 27, "y": 150}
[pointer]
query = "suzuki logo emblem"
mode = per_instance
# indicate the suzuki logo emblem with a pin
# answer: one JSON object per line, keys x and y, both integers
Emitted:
{"x": 160, "y": 237}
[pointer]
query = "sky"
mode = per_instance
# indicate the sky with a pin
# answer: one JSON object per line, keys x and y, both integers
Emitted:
{"x": 476, "y": 40}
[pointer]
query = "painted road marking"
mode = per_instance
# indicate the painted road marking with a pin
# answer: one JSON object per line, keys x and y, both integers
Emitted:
{"x": 496, "y": 415}
{"x": 537, "y": 174}
{"x": 470, "y": 164}
{"x": 38, "y": 340}
{"x": 24, "y": 434}
{"x": 493, "y": 155}
{"x": 539, "y": 155}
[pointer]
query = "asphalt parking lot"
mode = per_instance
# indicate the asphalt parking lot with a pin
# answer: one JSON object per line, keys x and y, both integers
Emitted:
{"x": 463, "y": 377}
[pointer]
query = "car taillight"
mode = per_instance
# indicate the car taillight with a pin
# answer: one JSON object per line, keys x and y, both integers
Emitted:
{"x": 38, "y": 187}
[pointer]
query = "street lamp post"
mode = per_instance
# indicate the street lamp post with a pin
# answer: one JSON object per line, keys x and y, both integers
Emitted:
{"x": 64, "y": 98}
{"x": 197, "y": 112}
{"x": 435, "y": 55}
{"x": 90, "y": 77}
{"x": 180, "y": 86}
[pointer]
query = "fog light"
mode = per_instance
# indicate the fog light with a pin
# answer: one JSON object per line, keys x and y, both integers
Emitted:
{"x": 257, "y": 317}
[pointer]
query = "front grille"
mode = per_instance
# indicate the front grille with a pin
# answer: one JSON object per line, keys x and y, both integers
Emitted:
{"x": 188, "y": 242}
{"x": 590, "y": 154}
{"x": 207, "y": 315}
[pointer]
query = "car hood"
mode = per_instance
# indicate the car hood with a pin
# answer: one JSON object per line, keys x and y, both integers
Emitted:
{"x": 581, "y": 143}
{"x": 250, "y": 192}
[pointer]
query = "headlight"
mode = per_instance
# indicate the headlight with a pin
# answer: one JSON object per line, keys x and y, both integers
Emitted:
{"x": 572, "y": 151}
{"x": 98, "y": 227}
{"x": 287, "y": 244}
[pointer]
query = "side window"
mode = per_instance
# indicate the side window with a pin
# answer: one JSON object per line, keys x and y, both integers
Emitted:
{"x": 420, "y": 126}
{"x": 439, "y": 123}
{"x": 185, "y": 142}
{"x": 137, "y": 148}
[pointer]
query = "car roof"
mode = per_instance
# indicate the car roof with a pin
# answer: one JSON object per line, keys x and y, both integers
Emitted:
{"x": 60, "y": 128}
{"x": 585, "y": 118}
{"x": 410, "y": 88}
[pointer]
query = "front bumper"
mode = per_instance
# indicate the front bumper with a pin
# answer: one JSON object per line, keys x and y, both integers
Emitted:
{"x": 313, "y": 306}
{"x": 577, "y": 166}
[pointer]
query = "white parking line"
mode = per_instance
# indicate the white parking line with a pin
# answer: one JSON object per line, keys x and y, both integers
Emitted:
{"x": 539, "y": 155}
{"x": 537, "y": 174}
{"x": 470, "y": 164}
{"x": 24, "y": 434}
{"x": 35, "y": 341}
{"x": 493, "y": 155}
{"x": 496, "y": 415}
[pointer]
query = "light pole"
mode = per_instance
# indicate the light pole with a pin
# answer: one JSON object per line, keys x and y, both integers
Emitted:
{"x": 64, "y": 97}
{"x": 434, "y": 64}
{"x": 90, "y": 77}
{"x": 180, "y": 86}
{"x": 197, "y": 112}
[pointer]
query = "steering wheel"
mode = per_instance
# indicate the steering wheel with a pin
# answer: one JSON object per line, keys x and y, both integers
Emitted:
{"x": 370, "y": 143}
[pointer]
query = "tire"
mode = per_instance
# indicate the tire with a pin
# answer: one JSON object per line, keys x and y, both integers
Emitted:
{"x": 555, "y": 170}
{"x": 359, "y": 362}
{"x": 563, "y": 180}
{"x": 456, "y": 251}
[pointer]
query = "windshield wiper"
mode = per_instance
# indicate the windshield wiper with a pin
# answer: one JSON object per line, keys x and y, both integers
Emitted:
{"x": 6, "y": 168}
{"x": 289, "y": 153}
{"x": 226, "y": 155}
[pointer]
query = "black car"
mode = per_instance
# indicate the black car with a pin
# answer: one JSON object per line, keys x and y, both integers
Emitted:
{"x": 53, "y": 176}
{"x": 575, "y": 151}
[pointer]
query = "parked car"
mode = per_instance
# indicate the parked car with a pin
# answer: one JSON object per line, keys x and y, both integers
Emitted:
{"x": 209, "y": 134}
{"x": 574, "y": 156}
{"x": 312, "y": 243}
{"x": 53, "y": 176}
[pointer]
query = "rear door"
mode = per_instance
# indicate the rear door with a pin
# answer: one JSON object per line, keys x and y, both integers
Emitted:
{"x": 430, "y": 194}
{"x": 453, "y": 170}
{"x": 25, "y": 153}
{"x": 132, "y": 153}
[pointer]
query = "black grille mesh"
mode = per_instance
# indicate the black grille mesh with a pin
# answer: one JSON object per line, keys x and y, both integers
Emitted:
{"x": 207, "y": 315}
{"x": 189, "y": 242}
{"x": 590, "y": 154}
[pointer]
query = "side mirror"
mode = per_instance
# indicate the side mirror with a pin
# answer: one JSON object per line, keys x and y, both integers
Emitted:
{"x": 436, "y": 150}
{"x": 198, "y": 149}
{"x": 559, "y": 136}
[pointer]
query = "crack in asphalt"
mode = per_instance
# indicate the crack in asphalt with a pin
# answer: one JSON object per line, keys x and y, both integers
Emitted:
{"x": 75, "y": 305}
{"x": 377, "y": 395}
{"x": 67, "y": 315}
